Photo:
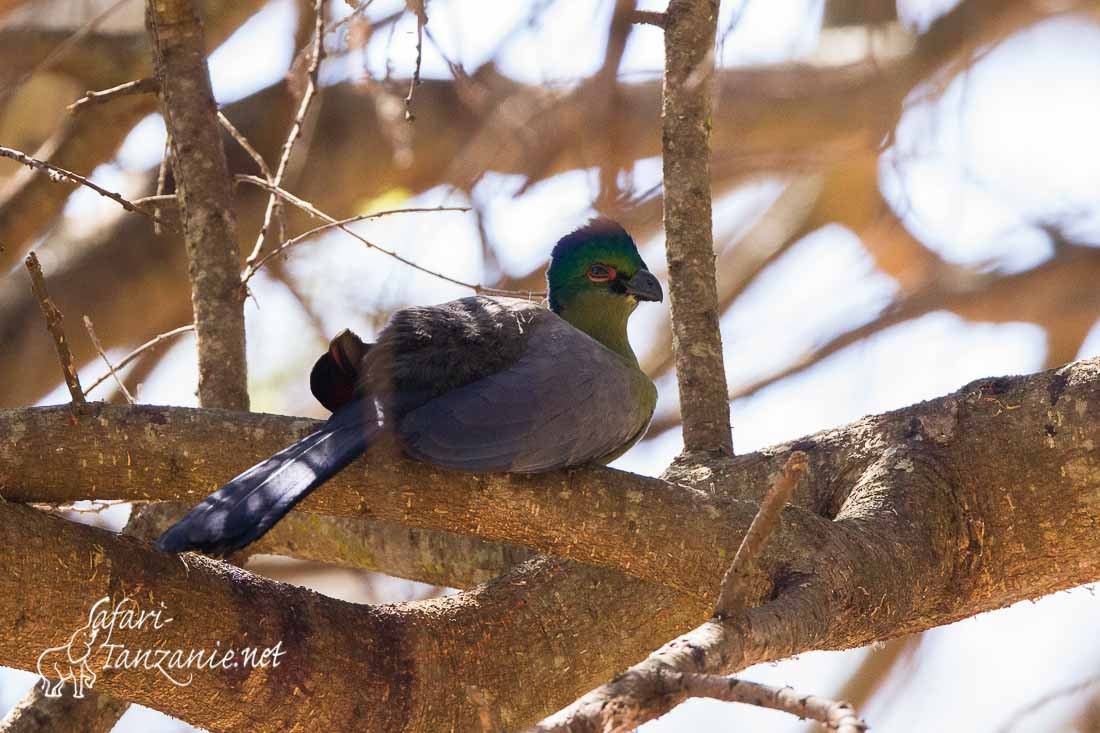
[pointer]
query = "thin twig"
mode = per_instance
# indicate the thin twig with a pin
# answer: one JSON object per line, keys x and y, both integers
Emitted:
{"x": 313, "y": 210}
{"x": 148, "y": 85}
{"x": 162, "y": 178}
{"x": 151, "y": 343}
{"x": 417, "y": 7}
{"x": 338, "y": 224}
{"x": 318, "y": 52}
{"x": 835, "y": 714}
{"x": 245, "y": 145}
{"x": 732, "y": 597}
{"x": 103, "y": 355}
{"x": 58, "y": 174}
{"x": 258, "y": 159}
{"x": 54, "y": 320}
{"x": 359, "y": 10}
{"x": 164, "y": 199}
{"x": 648, "y": 17}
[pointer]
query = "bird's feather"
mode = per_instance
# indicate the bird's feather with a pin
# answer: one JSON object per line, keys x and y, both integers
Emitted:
{"x": 242, "y": 510}
{"x": 565, "y": 401}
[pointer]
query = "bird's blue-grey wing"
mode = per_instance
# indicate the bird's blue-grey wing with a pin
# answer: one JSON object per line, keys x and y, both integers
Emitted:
{"x": 567, "y": 400}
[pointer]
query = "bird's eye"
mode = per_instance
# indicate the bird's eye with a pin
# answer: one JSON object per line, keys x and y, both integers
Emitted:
{"x": 601, "y": 273}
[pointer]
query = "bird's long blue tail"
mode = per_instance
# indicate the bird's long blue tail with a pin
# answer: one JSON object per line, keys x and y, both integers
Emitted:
{"x": 240, "y": 512}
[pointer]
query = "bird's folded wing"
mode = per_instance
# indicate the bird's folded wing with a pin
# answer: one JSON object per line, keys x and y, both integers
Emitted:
{"x": 566, "y": 401}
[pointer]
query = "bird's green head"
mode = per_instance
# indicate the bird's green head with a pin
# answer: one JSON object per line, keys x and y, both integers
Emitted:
{"x": 596, "y": 280}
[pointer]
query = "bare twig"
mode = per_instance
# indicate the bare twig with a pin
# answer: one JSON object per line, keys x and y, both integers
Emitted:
{"x": 417, "y": 6}
{"x": 164, "y": 199}
{"x": 648, "y": 17}
{"x": 732, "y": 597}
{"x": 245, "y": 145}
{"x": 59, "y": 174}
{"x": 103, "y": 355}
{"x": 338, "y": 224}
{"x": 317, "y": 54}
{"x": 151, "y": 343}
{"x": 313, "y": 210}
{"x": 147, "y": 85}
{"x": 162, "y": 178}
{"x": 54, "y": 320}
{"x": 834, "y": 714}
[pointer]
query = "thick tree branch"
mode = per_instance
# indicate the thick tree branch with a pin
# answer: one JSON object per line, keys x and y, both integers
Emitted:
{"x": 437, "y": 558}
{"x": 942, "y": 510}
{"x": 37, "y": 713}
{"x": 425, "y": 660}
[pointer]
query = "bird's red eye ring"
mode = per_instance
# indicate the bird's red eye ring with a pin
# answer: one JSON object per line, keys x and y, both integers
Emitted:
{"x": 601, "y": 273}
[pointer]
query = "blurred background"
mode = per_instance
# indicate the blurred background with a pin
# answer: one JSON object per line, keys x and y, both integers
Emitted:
{"x": 907, "y": 197}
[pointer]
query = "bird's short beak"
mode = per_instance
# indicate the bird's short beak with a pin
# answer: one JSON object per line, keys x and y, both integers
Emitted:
{"x": 644, "y": 286}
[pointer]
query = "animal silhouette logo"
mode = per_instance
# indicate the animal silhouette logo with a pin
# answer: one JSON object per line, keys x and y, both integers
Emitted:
{"x": 69, "y": 662}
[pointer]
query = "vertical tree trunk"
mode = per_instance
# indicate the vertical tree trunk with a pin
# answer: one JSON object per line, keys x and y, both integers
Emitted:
{"x": 205, "y": 195}
{"x": 693, "y": 294}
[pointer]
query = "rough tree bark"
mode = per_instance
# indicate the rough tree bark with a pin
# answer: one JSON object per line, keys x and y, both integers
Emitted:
{"x": 939, "y": 511}
{"x": 37, "y": 713}
{"x": 690, "y": 27}
{"x": 205, "y": 193}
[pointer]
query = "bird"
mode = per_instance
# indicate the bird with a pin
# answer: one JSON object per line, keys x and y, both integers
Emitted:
{"x": 479, "y": 384}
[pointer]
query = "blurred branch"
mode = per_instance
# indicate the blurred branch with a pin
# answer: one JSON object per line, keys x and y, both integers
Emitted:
{"x": 1026, "y": 296}
{"x": 859, "y": 12}
{"x": 110, "y": 367}
{"x": 1045, "y": 699}
{"x": 71, "y": 41}
{"x": 150, "y": 344}
{"x": 420, "y": 11}
{"x": 28, "y": 204}
{"x": 739, "y": 262}
{"x": 6, "y": 6}
{"x": 875, "y": 667}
